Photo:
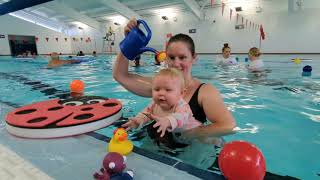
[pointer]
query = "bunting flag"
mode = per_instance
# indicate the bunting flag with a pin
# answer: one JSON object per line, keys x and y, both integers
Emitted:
{"x": 230, "y": 14}
{"x": 222, "y": 8}
{"x": 57, "y": 39}
{"x": 81, "y": 39}
{"x": 74, "y": 39}
{"x": 65, "y": 39}
{"x": 237, "y": 18}
{"x": 36, "y": 39}
{"x": 47, "y": 39}
{"x": 212, "y": 3}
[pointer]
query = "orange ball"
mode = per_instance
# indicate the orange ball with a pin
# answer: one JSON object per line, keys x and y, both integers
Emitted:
{"x": 77, "y": 86}
{"x": 161, "y": 56}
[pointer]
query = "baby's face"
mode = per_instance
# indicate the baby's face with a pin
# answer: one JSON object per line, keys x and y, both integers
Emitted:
{"x": 166, "y": 91}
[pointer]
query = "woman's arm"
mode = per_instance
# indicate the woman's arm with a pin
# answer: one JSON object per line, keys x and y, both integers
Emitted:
{"x": 216, "y": 112}
{"x": 135, "y": 83}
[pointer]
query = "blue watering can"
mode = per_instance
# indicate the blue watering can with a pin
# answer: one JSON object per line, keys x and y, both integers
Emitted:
{"x": 136, "y": 41}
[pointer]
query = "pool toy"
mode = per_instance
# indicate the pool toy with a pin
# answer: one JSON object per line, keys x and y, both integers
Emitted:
{"x": 242, "y": 160}
{"x": 297, "y": 60}
{"x": 161, "y": 56}
{"x": 246, "y": 59}
{"x": 77, "y": 86}
{"x": 112, "y": 163}
{"x": 306, "y": 70}
{"x": 136, "y": 41}
{"x": 119, "y": 142}
{"x": 60, "y": 118}
{"x": 123, "y": 176}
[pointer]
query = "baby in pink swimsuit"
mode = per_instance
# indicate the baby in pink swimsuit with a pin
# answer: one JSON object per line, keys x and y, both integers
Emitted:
{"x": 167, "y": 101}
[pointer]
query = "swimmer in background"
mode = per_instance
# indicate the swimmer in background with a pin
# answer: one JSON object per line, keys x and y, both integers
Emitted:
{"x": 94, "y": 54}
{"x": 136, "y": 62}
{"x": 255, "y": 63}
{"x": 226, "y": 58}
{"x": 56, "y": 62}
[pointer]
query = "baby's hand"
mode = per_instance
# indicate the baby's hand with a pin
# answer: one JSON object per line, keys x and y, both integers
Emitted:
{"x": 162, "y": 122}
{"x": 132, "y": 123}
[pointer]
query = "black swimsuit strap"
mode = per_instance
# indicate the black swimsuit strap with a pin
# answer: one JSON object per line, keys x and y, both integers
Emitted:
{"x": 196, "y": 109}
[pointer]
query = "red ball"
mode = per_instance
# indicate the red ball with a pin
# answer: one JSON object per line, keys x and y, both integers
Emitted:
{"x": 77, "y": 86}
{"x": 240, "y": 160}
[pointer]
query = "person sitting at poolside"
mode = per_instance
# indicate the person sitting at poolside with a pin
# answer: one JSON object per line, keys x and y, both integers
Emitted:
{"x": 255, "y": 64}
{"x": 205, "y": 100}
{"x": 56, "y": 62}
{"x": 94, "y": 54}
{"x": 226, "y": 58}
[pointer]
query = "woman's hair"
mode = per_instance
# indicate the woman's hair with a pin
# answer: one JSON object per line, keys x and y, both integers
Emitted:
{"x": 185, "y": 39}
{"x": 254, "y": 52}
{"x": 225, "y": 45}
{"x": 172, "y": 73}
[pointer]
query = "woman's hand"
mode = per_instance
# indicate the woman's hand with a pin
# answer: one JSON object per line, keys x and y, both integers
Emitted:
{"x": 162, "y": 122}
{"x": 131, "y": 24}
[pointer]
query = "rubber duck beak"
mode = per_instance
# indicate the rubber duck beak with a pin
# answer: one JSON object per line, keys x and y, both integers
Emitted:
{"x": 123, "y": 137}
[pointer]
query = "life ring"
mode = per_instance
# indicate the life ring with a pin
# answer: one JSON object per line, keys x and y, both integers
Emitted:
{"x": 60, "y": 118}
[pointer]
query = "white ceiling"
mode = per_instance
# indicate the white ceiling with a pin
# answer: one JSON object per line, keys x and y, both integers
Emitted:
{"x": 94, "y": 12}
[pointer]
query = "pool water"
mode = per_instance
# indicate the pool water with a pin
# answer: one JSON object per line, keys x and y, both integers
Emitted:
{"x": 278, "y": 111}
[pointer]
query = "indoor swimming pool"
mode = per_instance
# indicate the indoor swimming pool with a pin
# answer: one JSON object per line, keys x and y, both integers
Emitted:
{"x": 278, "y": 111}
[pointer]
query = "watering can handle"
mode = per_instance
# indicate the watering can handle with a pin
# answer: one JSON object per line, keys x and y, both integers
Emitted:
{"x": 147, "y": 29}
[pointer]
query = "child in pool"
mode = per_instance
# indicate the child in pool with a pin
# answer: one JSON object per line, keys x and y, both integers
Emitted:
{"x": 255, "y": 64}
{"x": 167, "y": 95}
{"x": 226, "y": 58}
{"x": 167, "y": 92}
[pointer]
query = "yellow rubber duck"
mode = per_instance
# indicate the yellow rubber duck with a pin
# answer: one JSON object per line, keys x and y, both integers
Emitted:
{"x": 119, "y": 142}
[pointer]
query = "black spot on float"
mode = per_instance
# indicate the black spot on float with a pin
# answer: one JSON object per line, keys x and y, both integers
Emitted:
{"x": 110, "y": 104}
{"x": 35, "y": 120}
{"x": 55, "y": 108}
{"x": 83, "y": 116}
{"x": 27, "y": 111}
{"x": 86, "y": 109}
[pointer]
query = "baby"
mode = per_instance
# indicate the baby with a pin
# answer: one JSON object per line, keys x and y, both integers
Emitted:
{"x": 256, "y": 64}
{"x": 167, "y": 101}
